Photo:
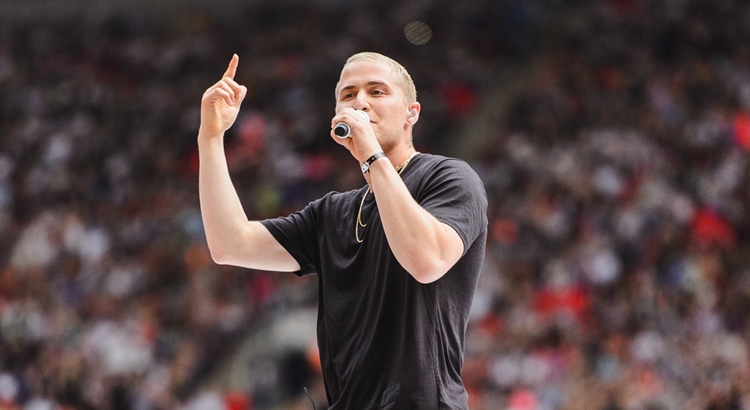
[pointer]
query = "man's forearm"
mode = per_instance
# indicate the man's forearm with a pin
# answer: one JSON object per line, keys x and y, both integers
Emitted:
{"x": 223, "y": 216}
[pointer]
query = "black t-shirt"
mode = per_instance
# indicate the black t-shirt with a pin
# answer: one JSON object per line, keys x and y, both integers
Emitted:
{"x": 385, "y": 340}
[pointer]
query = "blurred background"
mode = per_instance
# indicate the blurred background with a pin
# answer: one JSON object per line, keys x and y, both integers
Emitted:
{"x": 612, "y": 137}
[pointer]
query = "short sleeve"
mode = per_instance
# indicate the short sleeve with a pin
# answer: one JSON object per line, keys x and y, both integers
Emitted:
{"x": 455, "y": 195}
{"x": 297, "y": 233}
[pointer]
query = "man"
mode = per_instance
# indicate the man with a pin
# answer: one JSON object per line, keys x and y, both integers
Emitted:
{"x": 397, "y": 260}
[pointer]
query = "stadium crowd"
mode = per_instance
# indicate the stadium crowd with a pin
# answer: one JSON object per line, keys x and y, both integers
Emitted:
{"x": 108, "y": 298}
{"x": 617, "y": 275}
{"x": 618, "y": 271}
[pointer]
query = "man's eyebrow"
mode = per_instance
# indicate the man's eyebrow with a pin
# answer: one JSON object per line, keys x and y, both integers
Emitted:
{"x": 369, "y": 84}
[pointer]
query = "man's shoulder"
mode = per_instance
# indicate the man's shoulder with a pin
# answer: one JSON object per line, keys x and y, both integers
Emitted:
{"x": 427, "y": 159}
{"x": 436, "y": 165}
{"x": 337, "y": 198}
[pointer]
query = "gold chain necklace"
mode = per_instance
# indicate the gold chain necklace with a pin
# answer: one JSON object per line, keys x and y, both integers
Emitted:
{"x": 399, "y": 170}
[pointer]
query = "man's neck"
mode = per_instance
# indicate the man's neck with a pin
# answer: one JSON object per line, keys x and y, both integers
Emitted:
{"x": 400, "y": 154}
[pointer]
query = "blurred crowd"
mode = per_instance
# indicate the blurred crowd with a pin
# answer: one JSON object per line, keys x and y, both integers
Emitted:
{"x": 618, "y": 268}
{"x": 617, "y": 274}
{"x": 108, "y": 297}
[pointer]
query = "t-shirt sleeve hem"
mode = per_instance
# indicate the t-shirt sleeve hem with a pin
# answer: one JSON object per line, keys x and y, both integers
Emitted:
{"x": 306, "y": 268}
{"x": 461, "y": 234}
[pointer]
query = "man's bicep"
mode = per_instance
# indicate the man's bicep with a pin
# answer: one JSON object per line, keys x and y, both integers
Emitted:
{"x": 262, "y": 251}
{"x": 458, "y": 200}
{"x": 453, "y": 244}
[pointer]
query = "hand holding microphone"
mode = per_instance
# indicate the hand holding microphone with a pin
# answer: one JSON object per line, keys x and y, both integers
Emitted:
{"x": 343, "y": 130}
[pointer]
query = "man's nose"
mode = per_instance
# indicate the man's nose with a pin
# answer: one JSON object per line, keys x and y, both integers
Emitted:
{"x": 361, "y": 102}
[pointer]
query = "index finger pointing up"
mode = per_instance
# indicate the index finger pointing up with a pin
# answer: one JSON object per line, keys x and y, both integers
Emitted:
{"x": 232, "y": 69}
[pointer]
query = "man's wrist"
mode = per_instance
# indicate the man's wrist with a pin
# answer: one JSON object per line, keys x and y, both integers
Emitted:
{"x": 369, "y": 161}
{"x": 210, "y": 142}
{"x": 208, "y": 135}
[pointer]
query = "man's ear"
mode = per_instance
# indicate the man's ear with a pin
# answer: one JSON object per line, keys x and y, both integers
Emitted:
{"x": 412, "y": 114}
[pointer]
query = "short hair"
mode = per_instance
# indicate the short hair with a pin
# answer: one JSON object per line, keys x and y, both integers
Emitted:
{"x": 400, "y": 75}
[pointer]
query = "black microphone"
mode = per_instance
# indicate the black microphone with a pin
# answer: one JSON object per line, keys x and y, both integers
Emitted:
{"x": 342, "y": 129}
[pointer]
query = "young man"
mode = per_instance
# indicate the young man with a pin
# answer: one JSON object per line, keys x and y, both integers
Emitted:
{"x": 397, "y": 260}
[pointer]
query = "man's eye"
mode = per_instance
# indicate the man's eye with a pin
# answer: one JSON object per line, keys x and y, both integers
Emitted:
{"x": 377, "y": 92}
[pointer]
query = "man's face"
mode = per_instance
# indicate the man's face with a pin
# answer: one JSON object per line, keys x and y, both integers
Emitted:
{"x": 369, "y": 86}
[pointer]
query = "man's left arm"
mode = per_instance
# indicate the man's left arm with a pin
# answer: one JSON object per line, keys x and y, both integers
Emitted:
{"x": 426, "y": 247}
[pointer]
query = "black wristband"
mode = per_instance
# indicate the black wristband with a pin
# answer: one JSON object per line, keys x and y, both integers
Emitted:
{"x": 373, "y": 158}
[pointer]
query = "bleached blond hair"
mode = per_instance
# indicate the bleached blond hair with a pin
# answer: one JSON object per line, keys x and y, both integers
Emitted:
{"x": 400, "y": 75}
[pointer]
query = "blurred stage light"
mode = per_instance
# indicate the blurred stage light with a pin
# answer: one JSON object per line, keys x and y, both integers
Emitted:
{"x": 418, "y": 32}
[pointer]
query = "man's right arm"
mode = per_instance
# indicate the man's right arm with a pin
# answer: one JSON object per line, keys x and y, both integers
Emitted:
{"x": 232, "y": 239}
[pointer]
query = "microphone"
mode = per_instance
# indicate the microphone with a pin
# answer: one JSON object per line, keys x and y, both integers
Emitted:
{"x": 342, "y": 129}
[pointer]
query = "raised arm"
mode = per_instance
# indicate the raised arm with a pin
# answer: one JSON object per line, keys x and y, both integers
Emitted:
{"x": 232, "y": 238}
